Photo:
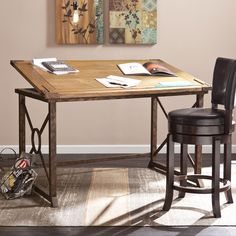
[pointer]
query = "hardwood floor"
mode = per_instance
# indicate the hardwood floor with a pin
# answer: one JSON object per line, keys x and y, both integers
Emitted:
{"x": 98, "y": 161}
{"x": 118, "y": 231}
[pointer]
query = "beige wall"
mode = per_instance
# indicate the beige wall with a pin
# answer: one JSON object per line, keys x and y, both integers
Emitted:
{"x": 191, "y": 34}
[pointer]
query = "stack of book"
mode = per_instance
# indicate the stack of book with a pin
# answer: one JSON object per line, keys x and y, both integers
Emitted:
{"x": 54, "y": 66}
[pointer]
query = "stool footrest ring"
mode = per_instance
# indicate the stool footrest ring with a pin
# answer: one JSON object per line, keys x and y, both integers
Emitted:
{"x": 201, "y": 190}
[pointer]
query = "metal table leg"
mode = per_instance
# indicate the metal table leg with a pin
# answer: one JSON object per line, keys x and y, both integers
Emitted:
{"x": 21, "y": 123}
{"x": 52, "y": 154}
{"x": 198, "y": 148}
{"x": 153, "y": 127}
{"x": 50, "y": 195}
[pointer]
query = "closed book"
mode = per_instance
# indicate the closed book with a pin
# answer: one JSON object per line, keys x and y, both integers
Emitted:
{"x": 58, "y": 66}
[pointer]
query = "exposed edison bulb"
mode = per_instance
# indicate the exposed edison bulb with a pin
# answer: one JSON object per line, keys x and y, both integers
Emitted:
{"x": 75, "y": 18}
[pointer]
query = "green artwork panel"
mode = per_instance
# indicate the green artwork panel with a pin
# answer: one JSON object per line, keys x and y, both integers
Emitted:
{"x": 79, "y": 21}
{"x": 133, "y": 21}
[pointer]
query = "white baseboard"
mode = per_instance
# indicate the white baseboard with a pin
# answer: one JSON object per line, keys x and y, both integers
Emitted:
{"x": 90, "y": 149}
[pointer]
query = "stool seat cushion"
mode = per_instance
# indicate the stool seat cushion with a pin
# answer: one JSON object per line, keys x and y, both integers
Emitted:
{"x": 197, "y": 117}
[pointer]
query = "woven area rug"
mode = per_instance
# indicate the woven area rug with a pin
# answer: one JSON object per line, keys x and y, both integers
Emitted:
{"x": 113, "y": 197}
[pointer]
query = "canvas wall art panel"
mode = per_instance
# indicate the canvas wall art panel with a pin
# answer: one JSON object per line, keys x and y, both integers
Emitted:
{"x": 133, "y": 21}
{"x": 79, "y": 21}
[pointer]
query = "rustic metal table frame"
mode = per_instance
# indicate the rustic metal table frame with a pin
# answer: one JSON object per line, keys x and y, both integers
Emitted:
{"x": 83, "y": 86}
{"x": 50, "y": 119}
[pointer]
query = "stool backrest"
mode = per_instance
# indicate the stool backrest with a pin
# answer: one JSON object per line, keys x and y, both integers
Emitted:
{"x": 224, "y": 83}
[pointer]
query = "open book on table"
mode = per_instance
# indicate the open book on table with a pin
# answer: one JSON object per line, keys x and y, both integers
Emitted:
{"x": 148, "y": 68}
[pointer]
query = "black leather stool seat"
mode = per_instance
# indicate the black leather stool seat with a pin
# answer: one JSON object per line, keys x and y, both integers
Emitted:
{"x": 197, "y": 121}
{"x": 197, "y": 116}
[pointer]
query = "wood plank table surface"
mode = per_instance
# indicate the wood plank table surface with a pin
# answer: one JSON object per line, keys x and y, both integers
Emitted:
{"x": 82, "y": 86}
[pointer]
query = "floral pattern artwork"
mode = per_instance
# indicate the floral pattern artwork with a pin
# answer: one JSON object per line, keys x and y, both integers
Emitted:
{"x": 89, "y": 26}
{"x": 133, "y": 21}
